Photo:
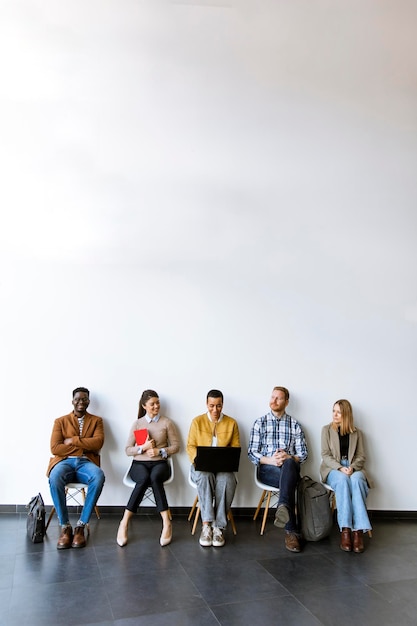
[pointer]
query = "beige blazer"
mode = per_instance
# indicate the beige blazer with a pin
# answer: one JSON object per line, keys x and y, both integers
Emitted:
{"x": 330, "y": 452}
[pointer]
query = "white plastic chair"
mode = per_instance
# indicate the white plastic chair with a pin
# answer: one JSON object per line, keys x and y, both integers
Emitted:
{"x": 332, "y": 495}
{"x": 149, "y": 492}
{"x": 268, "y": 493}
{"x": 73, "y": 491}
{"x": 196, "y": 508}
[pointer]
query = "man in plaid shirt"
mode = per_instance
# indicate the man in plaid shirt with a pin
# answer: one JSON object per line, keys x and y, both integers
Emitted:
{"x": 277, "y": 446}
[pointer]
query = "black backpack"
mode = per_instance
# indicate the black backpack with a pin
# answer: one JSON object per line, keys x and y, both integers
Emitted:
{"x": 313, "y": 509}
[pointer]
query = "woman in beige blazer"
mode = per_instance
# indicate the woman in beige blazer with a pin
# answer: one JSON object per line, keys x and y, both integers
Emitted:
{"x": 343, "y": 469}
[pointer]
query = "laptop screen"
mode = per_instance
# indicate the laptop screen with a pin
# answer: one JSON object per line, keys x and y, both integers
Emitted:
{"x": 217, "y": 459}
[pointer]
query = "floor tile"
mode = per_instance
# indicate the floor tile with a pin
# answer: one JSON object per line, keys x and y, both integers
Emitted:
{"x": 57, "y": 566}
{"x": 299, "y": 572}
{"x": 223, "y": 582}
{"x": 151, "y": 592}
{"x": 285, "y": 610}
{"x": 353, "y": 605}
{"x": 379, "y": 565}
{"x": 67, "y": 604}
{"x": 184, "y": 617}
{"x": 401, "y": 595}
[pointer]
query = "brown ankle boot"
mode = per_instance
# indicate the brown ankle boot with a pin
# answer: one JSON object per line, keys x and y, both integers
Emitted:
{"x": 358, "y": 541}
{"x": 346, "y": 540}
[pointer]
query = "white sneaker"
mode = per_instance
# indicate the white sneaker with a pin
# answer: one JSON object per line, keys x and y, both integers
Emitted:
{"x": 206, "y": 537}
{"x": 218, "y": 539}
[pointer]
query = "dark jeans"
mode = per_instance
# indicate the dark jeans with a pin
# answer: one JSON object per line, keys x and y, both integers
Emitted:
{"x": 284, "y": 478}
{"x": 149, "y": 474}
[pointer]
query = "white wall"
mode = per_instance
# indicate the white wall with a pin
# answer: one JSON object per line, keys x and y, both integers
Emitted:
{"x": 208, "y": 194}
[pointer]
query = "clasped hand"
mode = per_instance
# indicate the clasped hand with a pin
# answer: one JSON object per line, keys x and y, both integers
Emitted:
{"x": 346, "y": 470}
{"x": 280, "y": 456}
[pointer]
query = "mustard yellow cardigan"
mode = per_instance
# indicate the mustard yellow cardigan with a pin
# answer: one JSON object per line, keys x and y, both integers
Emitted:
{"x": 201, "y": 434}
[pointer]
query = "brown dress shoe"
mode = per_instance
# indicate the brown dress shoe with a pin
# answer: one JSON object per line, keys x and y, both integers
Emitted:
{"x": 79, "y": 538}
{"x": 346, "y": 540}
{"x": 65, "y": 538}
{"x": 358, "y": 541}
{"x": 292, "y": 542}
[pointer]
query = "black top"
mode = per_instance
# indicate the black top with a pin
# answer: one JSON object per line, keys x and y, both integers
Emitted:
{"x": 344, "y": 445}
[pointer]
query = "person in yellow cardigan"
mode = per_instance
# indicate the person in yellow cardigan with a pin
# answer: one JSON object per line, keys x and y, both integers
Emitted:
{"x": 215, "y": 491}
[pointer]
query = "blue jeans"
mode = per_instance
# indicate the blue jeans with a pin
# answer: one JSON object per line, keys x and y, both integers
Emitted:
{"x": 215, "y": 495}
{"x": 284, "y": 478}
{"x": 75, "y": 470}
{"x": 351, "y": 492}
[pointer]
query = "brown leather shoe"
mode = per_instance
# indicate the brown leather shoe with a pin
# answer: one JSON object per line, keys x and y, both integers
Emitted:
{"x": 346, "y": 540}
{"x": 292, "y": 542}
{"x": 358, "y": 541}
{"x": 65, "y": 538}
{"x": 79, "y": 538}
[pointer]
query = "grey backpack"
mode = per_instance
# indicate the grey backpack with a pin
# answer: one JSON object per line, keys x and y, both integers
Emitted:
{"x": 313, "y": 509}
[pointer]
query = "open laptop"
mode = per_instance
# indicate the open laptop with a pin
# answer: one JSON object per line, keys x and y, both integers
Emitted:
{"x": 217, "y": 459}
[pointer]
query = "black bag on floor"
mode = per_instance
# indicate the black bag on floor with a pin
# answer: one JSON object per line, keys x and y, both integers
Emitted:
{"x": 35, "y": 523}
{"x": 313, "y": 508}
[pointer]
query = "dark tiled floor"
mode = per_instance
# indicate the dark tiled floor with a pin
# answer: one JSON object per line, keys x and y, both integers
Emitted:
{"x": 252, "y": 579}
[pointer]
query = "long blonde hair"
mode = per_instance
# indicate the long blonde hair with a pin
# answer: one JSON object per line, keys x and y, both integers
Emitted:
{"x": 347, "y": 426}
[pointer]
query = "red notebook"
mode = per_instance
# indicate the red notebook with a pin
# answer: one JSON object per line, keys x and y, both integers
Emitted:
{"x": 141, "y": 436}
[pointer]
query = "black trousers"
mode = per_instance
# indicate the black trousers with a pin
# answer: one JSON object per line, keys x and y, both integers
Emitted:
{"x": 149, "y": 474}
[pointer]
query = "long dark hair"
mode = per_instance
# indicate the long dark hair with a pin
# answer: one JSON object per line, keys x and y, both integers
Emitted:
{"x": 147, "y": 395}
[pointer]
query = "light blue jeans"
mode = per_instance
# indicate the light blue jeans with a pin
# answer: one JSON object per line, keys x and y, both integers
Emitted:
{"x": 215, "y": 495}
{"x": 351, "y": 492}
{"x": 75, "y": 470}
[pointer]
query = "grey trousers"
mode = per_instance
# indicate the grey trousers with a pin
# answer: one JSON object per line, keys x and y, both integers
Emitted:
{"x": 215, "y": 495}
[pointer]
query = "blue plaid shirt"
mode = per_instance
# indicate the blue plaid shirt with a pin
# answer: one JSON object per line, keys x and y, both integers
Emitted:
{"x": 270, "y": 433}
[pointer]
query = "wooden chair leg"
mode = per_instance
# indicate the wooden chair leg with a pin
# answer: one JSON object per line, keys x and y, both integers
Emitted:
{"x": 261, "y": 501}
{"x": 193, "y": 509}
{"x": 51, "y": 514}
{"x": 232, "y": 522}
{"x": 197, "y": 515}
{"x": 268, "y": 500}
